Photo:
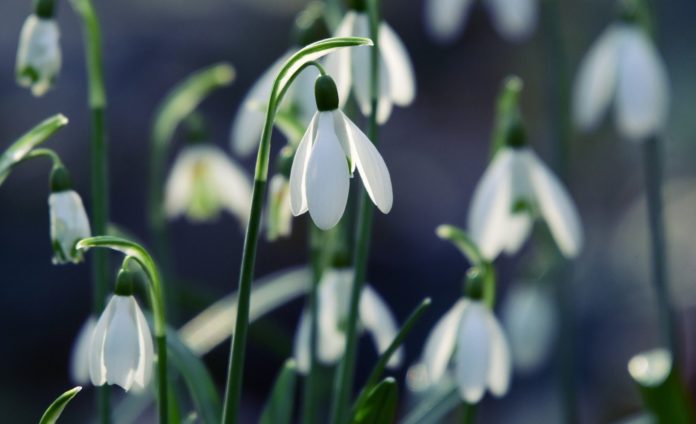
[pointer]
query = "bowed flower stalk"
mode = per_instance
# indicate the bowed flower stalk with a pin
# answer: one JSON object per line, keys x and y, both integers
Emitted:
{"x": 470, "y": 336}
{"x": 297, "y": 108}
{"x": 38, "y": 54}
{"x": 326, "y": 158}
{"x": 68, "y": 219}
{"x": 515, "y": 20}
{"x": 121, "y": 350}
{"x": 351, "y": 68}
{"x": 333, "y": 295}
{"x": 624, "y": 67}
{"x": 204, "y": 181}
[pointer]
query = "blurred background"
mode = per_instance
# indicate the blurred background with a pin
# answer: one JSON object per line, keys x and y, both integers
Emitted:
{"x": 436, "y": 151}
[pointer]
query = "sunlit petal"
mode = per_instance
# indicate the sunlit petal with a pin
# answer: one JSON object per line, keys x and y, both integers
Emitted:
{"x": 79, "y": 358}
{"x": 338, "y": 64}
{"x": 500, "y": 363}
{"x": 439, "y": 346}
{"x": 473, "y": 352}
{"x": 402, "y": 82}
{"x": 298, "y": 194}
{"x": 121, "y": 350}
{"x": 143, "y": 371}
{"x": 380, "y": 322}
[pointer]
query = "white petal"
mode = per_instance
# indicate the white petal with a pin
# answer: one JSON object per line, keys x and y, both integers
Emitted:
{"x": 298, "y": 172}
{"x": 179, "y": 186}
{"x": 327, "y": 179}
{"x": 439, "y": 346}
{"x": 79, "y": 358}
{"x": 642, "y": 95}
{"x": 143, "y": 371}
{"x": 69, "y": 224}
{"x": 556, "y": 207}
{"x": 373, "y": 170}
{"x": 380, "y": 322}
{"x": 39, "y": 50}
{"x": 402, "y": 82}
{"x": 360, "y": 61}
{"x": 500, "y": 364}
{"x": 121, "y": 348}
{"x": 596, "y": 81}
{"x": 514, "y": 19}
{"x": 338, "y": 64}
{"x": 491, "y": 205}
{"x": 231, "y": 183}
{"x": 333, "y": 297}
{"x": 445, "y": 19}
{"x": 384, "y": 101}
{"x": 97, "y": 366}
{"x": 519, "y": 227}
{"x": 301, "y": 344}
{"x": 473, "y": 354}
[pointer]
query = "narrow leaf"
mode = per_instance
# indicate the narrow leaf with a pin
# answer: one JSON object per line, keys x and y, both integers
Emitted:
{"x": 56, "y": 408}
{"x": 507, "y": 112}
{"x": 380, "y": 404}
{"x": 20, "y": 148}
{"x": 279, "y": 407}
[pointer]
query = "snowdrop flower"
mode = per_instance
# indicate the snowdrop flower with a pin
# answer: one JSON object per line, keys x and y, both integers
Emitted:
{"x": 469, "y": 333}
{"x": 515, "y": 20}
{"x": 38, "y": 54}
{"x": 623, "y": 66}
{"x": 203, "y": 181}
{"x": 351, "y": 67}
{"x": 68, "y": 219}
{"x": 121, "y": 350}
{"x": 530, "y": 320}
{"x": 327, "y": 156}
{"x": 333, "y": 299}
{"x": 79, "y": 357}
{"x": 516, "y": 187}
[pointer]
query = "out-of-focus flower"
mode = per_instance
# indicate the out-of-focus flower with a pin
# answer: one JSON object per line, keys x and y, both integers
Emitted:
{"x": 333, "y": 303}
{"x": 515, "y": 188}
{"x": 623, "y": 66}
{"x": 279, "y": 218}
{"x": 471, "y": 334}
{"x": 203, "y": 181}
{"x": 327, "y": 156}
{"x": 68, "y": 219}
{"x": 38, "y": 54}
{"x": 530, "y": 320}
{"x": 121, "y": 350}
{"x": 351, "y": 67}
{"x": 79, "y": 357}
{"x": 515, "y": 20}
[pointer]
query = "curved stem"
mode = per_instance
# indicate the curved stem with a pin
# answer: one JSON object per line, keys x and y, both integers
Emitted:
{"x": 43, "y": 152}
{"x": 99, "y": 160}
{"x": 344, "y": 379}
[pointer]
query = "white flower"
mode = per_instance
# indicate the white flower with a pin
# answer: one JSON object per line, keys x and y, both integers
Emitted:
{"x": 471, "y": 334}
{"x": 121, "y": 350}
{"x": 516, "y": 187}
{"x": 79, "y": 357}
{"x": 530, "y": 320}
{"x": 515, "y": 20}
{"x": 623, "y": 66}
{"x": 351, "y": 67}
{"x": 333, "y": 304}
{"x": 247, "y": 125}
{"x": 204, "y": 181}
{"x": 327, "y": 156}
{"x": 38, "y": 54}
{"x": 279, "y": 217}
{"x": 69, "y": 224}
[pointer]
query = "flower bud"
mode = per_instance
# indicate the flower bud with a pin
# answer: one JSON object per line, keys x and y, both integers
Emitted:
{"x": 38, "y": 54}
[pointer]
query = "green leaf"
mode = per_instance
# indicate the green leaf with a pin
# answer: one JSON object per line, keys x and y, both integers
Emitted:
{"x": 438, "y": 403}
{"x": 507, "y": 112}
{"x": 56, "y": 408}
{"x": 380, "y": 404}
{"x": 20, "y": 148}
{"x": 384, "y": 359}
{"x": 200, "y": 385}
{"x": 279, "y": 407}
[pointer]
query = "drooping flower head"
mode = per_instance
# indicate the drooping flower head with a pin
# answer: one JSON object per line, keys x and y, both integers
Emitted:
{"x": 351, "y": 67}
{"x": 297, "y": 107}
{"x": 121, "y": 350}
{"x": 204, "y": 181}
{"x": 333, "y": 305}
{"x": 38, "y": 54}
{"x": 68, "y": 219}
{"x": 328, "y": 154}
{"x": 515, "y": 20}
{"x": 623, "y": 67}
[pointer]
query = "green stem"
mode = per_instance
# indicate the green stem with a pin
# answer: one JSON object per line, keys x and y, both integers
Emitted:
{"x": 344, "y": 379}
{"x": 99, "y": 179}
{"x": 652, "y": 157}
{"x": 469, "y": 413}
{"x": 43, "y": 152}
